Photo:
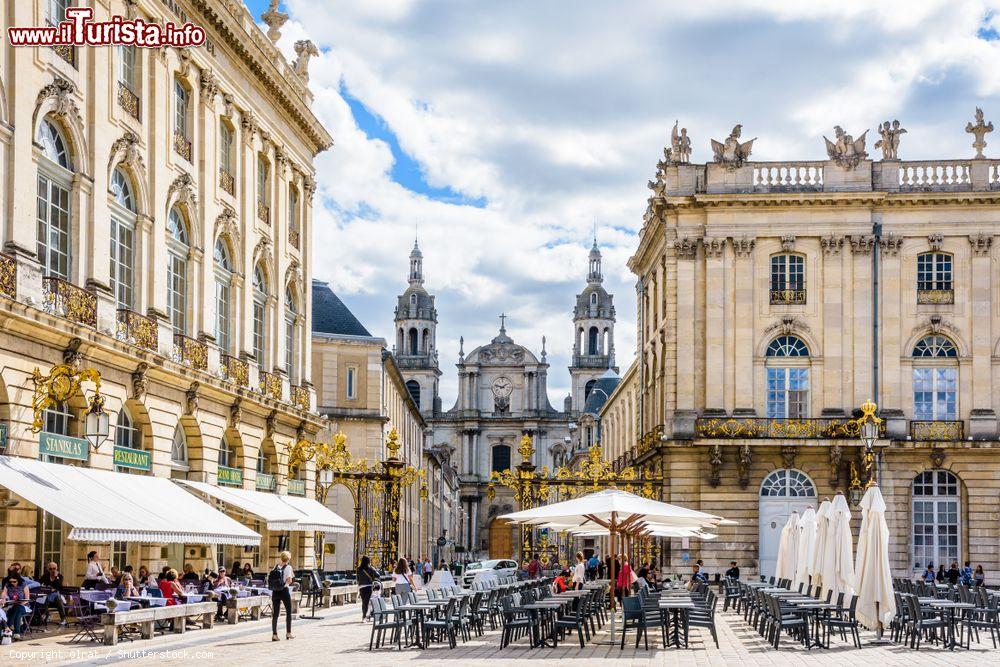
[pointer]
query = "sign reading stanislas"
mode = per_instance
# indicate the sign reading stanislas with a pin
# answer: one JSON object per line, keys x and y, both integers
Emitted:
{"x": 63, "y": 446}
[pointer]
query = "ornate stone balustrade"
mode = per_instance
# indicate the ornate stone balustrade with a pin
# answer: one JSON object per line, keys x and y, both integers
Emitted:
{"x": 937, "y": 430}
{"x": 590, "y": 360}
{"x": 762, "y": 427}
{"x": 128, "y": 100}
{"x": 270, "y": 385}
{"x": 935, "y": 175}
{"x": 8, "y": 276}
{"x": 182, "y": 146}
{"x": 136, "y": 329}
{"x": 227, "y": 182}
{"x": 66, "y": 300}
{"x": 235, "y": 370}
{"x": 190, "y": 352}
{"x": 787, "y": 176}
{"x": 300, "y": 397}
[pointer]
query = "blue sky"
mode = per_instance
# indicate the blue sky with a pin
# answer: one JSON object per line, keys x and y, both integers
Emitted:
{"x": 505, "y": 131}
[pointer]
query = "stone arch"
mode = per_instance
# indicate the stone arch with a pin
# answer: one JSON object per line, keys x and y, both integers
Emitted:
{"x": 796, "y": 329}
{"x": 55, "y": 102}
{"x": 235, "y": 440}
{"x": 937, "y": 329}
{"x": 140, "y": 420}
{"x": 125, "y": 156}
{"x": 183, "y": 196}
{"x": 194, "y": 442}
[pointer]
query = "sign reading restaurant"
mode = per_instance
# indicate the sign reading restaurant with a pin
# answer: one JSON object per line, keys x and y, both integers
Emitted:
{"x": 136, "y": 459}
{"x": 63, "y": 446}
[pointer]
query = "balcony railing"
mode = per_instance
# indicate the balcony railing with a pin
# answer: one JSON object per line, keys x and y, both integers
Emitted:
{"x": 270, "y": 385}
{"x": 65, "y": 299}
{"x": 136, "y": 329}
{"x": 788, "y": 177}
{"x": 66, "y": 52}
{"x": 762, "y": 427}
{"x": 182, "y": 146}
{"x": 263, "y": 212}
{"x": 8, "y": 276}
{"x": 227, "y": 182}
{"x": 266, "y": 482}
{"x": 190, "y": 352}
{"x": 937, "y": 430}
{"x": 788, "y": 297}
{"x": 936, "y": 176}
{"x": 128, "y": 100}
{"x": 235, "y": 370}
{"x": 293, "y": 238}
{"x": 590, "y": 360}
{"x": 296, "y": 487}
{"x": 300, "y": 397}
{"x": 935, "y": 296}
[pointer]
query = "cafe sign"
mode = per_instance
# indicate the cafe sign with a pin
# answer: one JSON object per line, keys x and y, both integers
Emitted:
{"x": 63, "y": 446}
{"x": 296, "y": 487}
{"x": 232, "y": 476}
{"x": 3, "y": 437}
{"x": 135, "y": 459}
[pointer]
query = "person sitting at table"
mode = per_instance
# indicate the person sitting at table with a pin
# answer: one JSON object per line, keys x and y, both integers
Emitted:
{"x": 653, "y": 579}
{"x": 941, "y": 574}
{"x": 247, "y": 571}
{"x": 953, "y": 574}
{"x": 126, "y": 588}
{"x": 221, "y": 582}
{"x": 145, "y": 578}
{"x": 929, "y": 575}
{"x": 169, "y": 587}
{"x": 734, "y": 571}
{"x": 15, "y": 590}
{"x": 967, "y": 574}
{"x": 561, "y": 584}
{"x": 697, "y": 576}
{"x": 53, "y": 579}
{"x": 115, "y": 575}
{"x": 190, "y": 576}
{"x": 979, "y": 577}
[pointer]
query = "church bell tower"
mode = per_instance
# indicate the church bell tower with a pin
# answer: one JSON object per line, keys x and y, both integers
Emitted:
{"x": 594, "y": 333}
{"x": 416, "y": 342}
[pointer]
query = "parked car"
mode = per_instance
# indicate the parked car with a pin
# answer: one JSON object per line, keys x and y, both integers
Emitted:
{"x": 501, "y": 567}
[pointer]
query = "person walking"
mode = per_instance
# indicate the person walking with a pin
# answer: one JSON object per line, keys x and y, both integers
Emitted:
{"x": 579, "y": 572}
{"x": 428, "y": 571}
{"x": 979, "y": 576}
{"x": 279, "y": 580}
{"x": 367, "y": 576}
{"x": 534, "y": 567}
{"x": 402, "y": 577}
{"x": 624, "y": 579}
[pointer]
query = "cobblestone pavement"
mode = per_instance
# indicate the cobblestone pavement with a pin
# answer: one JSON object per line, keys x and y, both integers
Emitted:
{"x": 338, "y": 637}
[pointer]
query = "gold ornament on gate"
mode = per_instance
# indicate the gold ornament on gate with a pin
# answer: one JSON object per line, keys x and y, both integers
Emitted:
{"x": 60, "y": 385}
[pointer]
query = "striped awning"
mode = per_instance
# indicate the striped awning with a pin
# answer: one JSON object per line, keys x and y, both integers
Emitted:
{"x": 105, "y": 506}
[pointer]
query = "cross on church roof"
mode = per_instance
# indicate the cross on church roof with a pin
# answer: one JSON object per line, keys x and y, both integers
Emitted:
{"x": 503, "y": 316}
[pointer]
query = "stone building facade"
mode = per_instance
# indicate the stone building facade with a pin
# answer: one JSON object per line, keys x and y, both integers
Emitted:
{"x": 158, "y": 229}
{"x": 774, "y": 299}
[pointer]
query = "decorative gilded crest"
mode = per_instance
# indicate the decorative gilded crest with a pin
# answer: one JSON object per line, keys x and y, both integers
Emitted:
{"x": 392, "y": 444}
{"x": 60, "y": 385}
{"x": 526, "y": 449}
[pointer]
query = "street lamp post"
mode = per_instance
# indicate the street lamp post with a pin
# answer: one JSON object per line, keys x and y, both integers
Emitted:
{"x": 869, "y": 429}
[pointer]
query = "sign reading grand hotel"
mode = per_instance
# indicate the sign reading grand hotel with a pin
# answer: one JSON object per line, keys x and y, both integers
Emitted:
{"x": 136, "y": 459}
{"x": 230, "y": 476}
{"x": 64, "y": 446}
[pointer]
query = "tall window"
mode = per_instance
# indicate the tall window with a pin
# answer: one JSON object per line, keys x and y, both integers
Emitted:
{"x": 178, "y": 247}
{"x": 223, "y": 294}
{"x": 293, "y": 216}
{"x": 180, "y": 109}
{"x": 178, "y": 450}
{"x": 592, "y": 337}
{"x": 227, "y": 455}
{"x": 119, "y": 555}
{"x": 128, "y": 68}
{"x": 263, "y": 462}
{"x": 263, "y": 187}
{"x": 500, "y": 455}
{"x": 55, "y": 11}
{"x": 53, "y": 209}
{"x": 291, "y": 313}
{"x": 58, "y": 419}
{"x": 934, "y": 278}
{"x": 51, "y": 540}
{"x": 413, "y": 387}
{"x": 787, "y": 378}
{"x": 123, "y": 219}
{"x": 225, "y": 147}
{"x": 126, "y": 432}
{"x": 788, "y": 279}
{"x": 936, "y": 504}
{"x": 352, "y": 385}
{"x": 935, "y": 383}
{"x": 260, "y": 317}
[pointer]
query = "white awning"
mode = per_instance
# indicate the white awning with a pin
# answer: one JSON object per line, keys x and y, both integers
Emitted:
{"x": 105, "y": 506}
{"x": 282, "y": 513}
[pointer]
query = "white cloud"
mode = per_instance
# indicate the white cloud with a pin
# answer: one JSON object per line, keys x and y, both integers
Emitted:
{"x": 556, "y": 114}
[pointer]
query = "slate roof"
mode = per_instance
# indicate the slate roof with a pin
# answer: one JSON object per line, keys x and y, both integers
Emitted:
{"x": 331, "y": 316}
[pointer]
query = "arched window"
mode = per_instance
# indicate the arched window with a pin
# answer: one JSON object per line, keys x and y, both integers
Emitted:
{"x": 291, "y": 313}
{"x": 935, "y": 383}
{"x": 259, "y": 336}
{"x": 934, "y": 278}
{"x": 178, "y": 448}
{"x": 127, "y": 434}
{"x": 500, "y": 458}
{"x": 787, "y": 378}
{"x": 592, "y": 337}
{"x": 223, "y": 294}
{"x": 53, "y": 209}
{"x": 787, "y": 483}
{"x": 414, "y": 343}
{"x": 123, "y": 219}
{"x": 593, "y": 298}
{"x": 178, "y": 248}
{"x": 788, "y": 279}
{"x": 227, "y": 455}
{"x": 936, "y": 518}
{"x": 587, "y": 388}
{"x": 413, "y": 387}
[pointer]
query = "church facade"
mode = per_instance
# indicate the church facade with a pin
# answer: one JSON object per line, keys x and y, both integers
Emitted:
{"x": 502, "y": 394}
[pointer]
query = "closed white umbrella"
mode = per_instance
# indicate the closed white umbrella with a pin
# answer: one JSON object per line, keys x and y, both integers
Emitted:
{"x": 838, "y": 560}
{"x": 805, "y": 546}
{"x": 784, "y": 567}
{"x": 819, "y": 545}
{"x": 876, "y": 602}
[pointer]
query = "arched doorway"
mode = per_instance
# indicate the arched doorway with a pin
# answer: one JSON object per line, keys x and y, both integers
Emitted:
{"x": 501, "y": 539}
{"x": 781, "y": 493}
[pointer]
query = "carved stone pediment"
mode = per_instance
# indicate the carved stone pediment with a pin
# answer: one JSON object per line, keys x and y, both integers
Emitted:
{"x": 788, "y": 325}
{"x": 125, "y": 149}
{"x": 60, "y": 92}
{"x": 185, "y": 189}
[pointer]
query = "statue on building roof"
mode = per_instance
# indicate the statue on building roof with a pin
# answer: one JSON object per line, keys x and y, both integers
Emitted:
{"x": 980, "y": 130}
{"x": 274, "y": 19}
{"x": 889, "y": 143}
{"x": 846, "y": 152}
{"x": 304, "y": 49}
{"x": 680, "y": 145}
{"x": 732, "y": 153}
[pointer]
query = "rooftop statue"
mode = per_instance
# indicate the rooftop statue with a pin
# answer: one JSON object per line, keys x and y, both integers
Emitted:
{"x": 889, "y": 143}
{"x": 680, "y": 146}
{"x": 732, "y": 153}
{"x": 846, "y": 152}
{"x": 980, "y": 130}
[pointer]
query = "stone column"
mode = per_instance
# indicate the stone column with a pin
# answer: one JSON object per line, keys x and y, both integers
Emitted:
{"x": 835, "y": 365}
{"x": 715, "y": 323}
{"x": 890, "y": 301}
{"x": 686, "y": 250}
{"x": 742, "y": 326}
{"x": 859, "y": 349}
{"x": 983, "y": 426}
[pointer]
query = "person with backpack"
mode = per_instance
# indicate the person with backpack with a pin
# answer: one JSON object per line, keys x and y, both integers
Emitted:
{"x": 279, "y": 581}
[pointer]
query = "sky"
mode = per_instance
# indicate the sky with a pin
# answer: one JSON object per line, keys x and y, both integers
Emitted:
{"x": 502, "y": 134}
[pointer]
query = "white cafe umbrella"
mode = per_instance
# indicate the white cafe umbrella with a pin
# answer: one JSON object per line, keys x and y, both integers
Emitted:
{"x": 819, "y": 544}
{"x": 807, "y": 541}
{"x": 784, "y": 567}
{"x": 876, "y": 602}
{"x": 838, "y": 560}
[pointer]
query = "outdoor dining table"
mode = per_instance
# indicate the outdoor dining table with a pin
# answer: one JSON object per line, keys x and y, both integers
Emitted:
{"x": 419, "y": 608}
{"x": 148, "y": 601}
{"x": 950, "y": 607}
{"x": 678, "y": 607}
{"x": 817, "y": 608}
{"x": 536, "y": 609}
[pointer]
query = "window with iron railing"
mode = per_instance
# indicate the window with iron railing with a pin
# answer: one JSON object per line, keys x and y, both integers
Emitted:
{"x": 788, "y": 279}
{"x": 934, "y": 278}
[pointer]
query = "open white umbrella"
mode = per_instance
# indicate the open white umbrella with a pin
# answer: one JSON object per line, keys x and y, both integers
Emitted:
{"x": 807, "y": 541}
{"x": 784, "y": 567}
{"x": 838, "y": 560}
{"x": 819, "y": 544}
{"x": 876, "y": 602}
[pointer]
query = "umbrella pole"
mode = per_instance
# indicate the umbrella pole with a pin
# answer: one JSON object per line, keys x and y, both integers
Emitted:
{"x": 879, "y": 640}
